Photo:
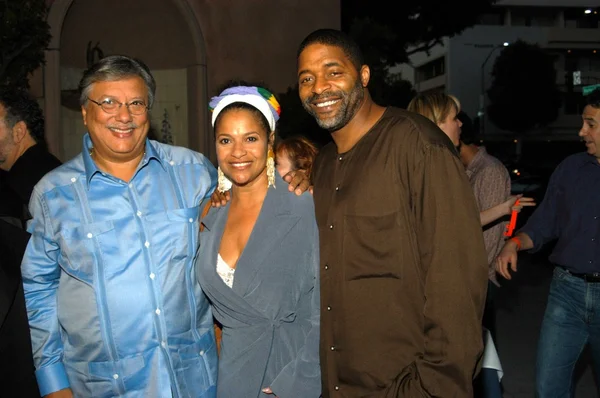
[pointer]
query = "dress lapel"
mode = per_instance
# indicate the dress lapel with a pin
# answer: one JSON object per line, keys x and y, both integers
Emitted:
{"x": 274, "y": 221}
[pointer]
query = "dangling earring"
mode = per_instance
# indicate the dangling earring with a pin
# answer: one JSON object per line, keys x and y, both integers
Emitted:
{"x": 223, "y": 182}
{"x": 271, "y": 168}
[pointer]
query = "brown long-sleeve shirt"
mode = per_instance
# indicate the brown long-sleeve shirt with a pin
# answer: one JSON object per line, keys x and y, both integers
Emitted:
{"x": 403, "y": 265}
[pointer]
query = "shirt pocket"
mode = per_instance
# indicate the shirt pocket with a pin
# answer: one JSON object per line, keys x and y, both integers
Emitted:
{"x": 196, "y": 364}
{"x": 174, "y": 231}
{"x": 82, "y": 245}
{"x": 102, "y": 379}
{"x": 371, "y": 247}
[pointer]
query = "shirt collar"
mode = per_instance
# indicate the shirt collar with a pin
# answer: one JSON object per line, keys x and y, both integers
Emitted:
{"x": 591, "y": 159}
{"x": 90, "y": 166}
{"x": 474, "y": 164}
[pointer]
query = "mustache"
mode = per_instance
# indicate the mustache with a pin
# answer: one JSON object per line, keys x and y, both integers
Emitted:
{"x": 125, "y": 126}
{"x": 324, "y": 96}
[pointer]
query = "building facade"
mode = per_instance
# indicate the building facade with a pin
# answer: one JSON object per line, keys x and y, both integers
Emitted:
{"x": 193, "y": 47}
{"x": 462, "y": 65}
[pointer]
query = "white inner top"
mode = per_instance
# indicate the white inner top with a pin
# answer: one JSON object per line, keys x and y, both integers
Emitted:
{"x": 225, "y": 271}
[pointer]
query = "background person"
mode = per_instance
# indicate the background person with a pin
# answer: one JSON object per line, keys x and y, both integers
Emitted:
{"x": 295, "y": 153}
{"x": 569, "y": 214}
{"x": 443, "y": 110}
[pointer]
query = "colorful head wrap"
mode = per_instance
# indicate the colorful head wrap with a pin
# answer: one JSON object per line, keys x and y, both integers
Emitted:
{"x": 258, "y": 97}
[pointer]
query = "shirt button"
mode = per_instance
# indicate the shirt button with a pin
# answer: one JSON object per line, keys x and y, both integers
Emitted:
{"x": 331, "y": 226}
{"x": 332, "y": 348}
{"x": 73, "y": 179}
{"x": 89, "y": 235}
{"x": 328, "y": 308}
{"x": 340, "y": 158}
{"x": 337, "y": 188}
{"x": 152, "y": 276}
{"x": 172, "y": 163}
{"x": 590, "y": 261}
{"x": 157, "y": 311}
{"x": 139, "y": 213}
{"x": 164, "y": 344}
{"x": 326, "y": 266}
{"x": 115, "y": 376}
{"x": 147, "y": 244}
{"x": 336, "y": 388}
{"x": 201, "y": 352}
{"x": 130, "y": 185}
{"x": 191, "y": 220}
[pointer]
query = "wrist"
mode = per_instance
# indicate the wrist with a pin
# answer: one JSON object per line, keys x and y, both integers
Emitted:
{"x": 517, "y": 243}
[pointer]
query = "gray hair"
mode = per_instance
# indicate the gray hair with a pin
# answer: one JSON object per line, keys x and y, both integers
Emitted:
{"x": 116, "y": 67}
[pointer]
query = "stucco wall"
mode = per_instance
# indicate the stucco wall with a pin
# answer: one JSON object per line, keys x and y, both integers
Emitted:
{"x": 245, "y": 39}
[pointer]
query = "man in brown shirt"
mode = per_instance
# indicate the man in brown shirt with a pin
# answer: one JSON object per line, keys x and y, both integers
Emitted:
{"x": 403, "y": 266}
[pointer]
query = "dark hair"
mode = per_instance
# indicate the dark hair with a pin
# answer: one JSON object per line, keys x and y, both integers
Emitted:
{"x": 262, "y": 120}
{"x": 593, "y": 98}
{"x": 468, "y": 135}
{"x": 116, "y": 67}
{"x": 332, "y": 37}
{"x": 20, "y": 106}
{"x": 301, "y": 150}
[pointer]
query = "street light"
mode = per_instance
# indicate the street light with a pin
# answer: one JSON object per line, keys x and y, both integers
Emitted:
{"x": 481, "y": 113}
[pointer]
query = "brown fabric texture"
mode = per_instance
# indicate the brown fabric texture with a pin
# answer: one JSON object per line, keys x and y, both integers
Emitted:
{"x": 403, "y": 265}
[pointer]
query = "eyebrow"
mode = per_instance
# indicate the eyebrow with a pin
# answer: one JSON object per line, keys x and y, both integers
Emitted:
{"x": 327, "y": 65}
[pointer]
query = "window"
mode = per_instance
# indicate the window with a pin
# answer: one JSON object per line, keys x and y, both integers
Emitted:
{"x": 494, "y": 18}
{"x": 533, "y": 16}
{"x": 577, "y": 18}
{"x": 432, "y": 69}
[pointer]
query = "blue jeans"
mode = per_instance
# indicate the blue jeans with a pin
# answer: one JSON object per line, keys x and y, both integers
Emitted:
{"x": 572, "y": 320}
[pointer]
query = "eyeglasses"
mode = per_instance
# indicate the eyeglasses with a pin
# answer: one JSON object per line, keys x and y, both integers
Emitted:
{"x": 112, "y": 106}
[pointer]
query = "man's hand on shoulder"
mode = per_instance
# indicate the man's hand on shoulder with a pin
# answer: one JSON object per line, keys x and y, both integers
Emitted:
{"x": 299, "y": 182}
{"x": 66, "y": 393}
{"x": 218, "y": 199}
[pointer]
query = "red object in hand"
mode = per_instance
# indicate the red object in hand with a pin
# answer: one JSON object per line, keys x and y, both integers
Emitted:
{"x": 513, "y": 221}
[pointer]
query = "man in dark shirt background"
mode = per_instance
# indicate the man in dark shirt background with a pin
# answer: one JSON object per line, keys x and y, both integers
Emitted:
{"x": 24, "y": 160}
{"x": 570, "y": 214}
{"x": 403, "y": 265}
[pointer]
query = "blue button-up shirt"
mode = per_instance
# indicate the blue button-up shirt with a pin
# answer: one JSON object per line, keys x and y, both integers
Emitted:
{"x": 570, "y": 212}
{"x": 111, "y": 298}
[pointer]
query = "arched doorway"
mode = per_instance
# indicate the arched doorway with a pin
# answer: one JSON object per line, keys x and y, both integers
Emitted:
{"x": 189, "y": 74}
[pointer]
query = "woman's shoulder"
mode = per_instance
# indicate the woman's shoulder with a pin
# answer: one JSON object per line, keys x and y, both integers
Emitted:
{"x": 298, "y": 204}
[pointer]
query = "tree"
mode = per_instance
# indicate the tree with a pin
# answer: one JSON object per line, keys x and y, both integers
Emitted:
{"x": 389, "y": 89}
{"x": 523, "y": 94}
{"x": 389, "y": 32}
{"x": 24, "y": 35}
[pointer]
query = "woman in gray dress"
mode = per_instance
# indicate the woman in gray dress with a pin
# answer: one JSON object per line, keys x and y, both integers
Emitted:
{"x": 258, "y": 259}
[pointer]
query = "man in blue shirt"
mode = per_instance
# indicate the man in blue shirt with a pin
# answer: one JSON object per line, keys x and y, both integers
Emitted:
{"x": 570, "y": 212}
{"x": 113, "y": 306}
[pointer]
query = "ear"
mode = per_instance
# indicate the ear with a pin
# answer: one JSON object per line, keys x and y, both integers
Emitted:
{"x": 271, "y": 139}
{"x": 19, "y": 131}
{"x": 83, "y": 114}
{"x": 365, "y": 75}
